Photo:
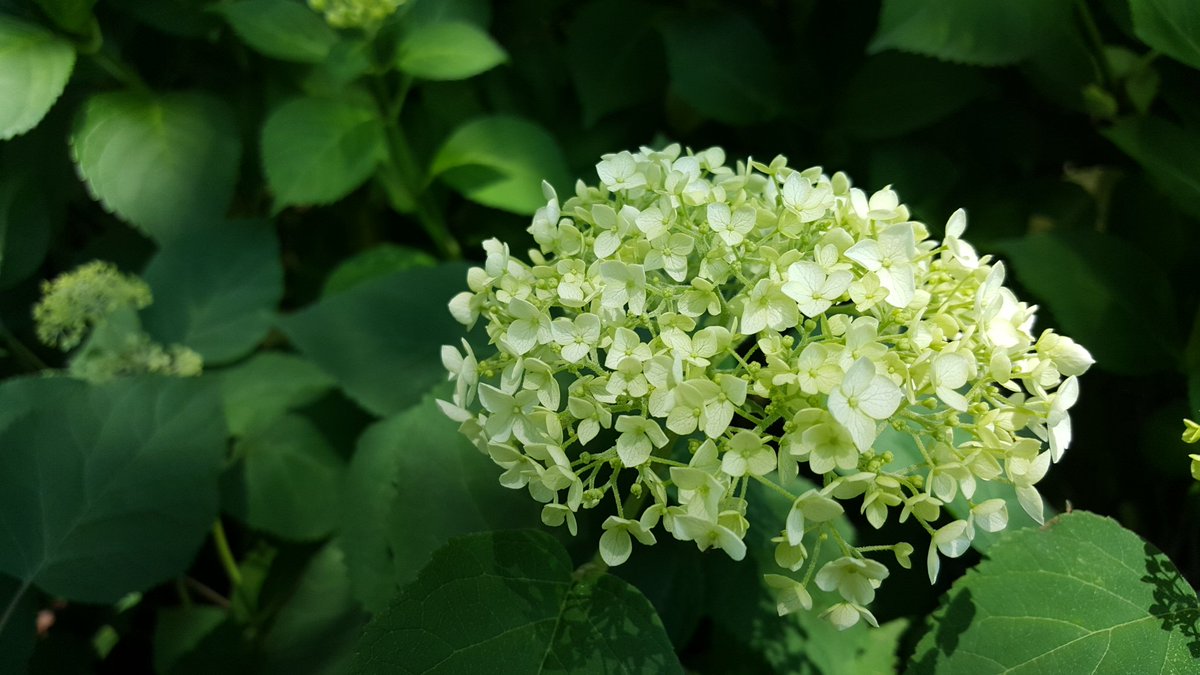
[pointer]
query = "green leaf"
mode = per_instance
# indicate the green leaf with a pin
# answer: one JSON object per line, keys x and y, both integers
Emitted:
{"x": 260, "y": 390}
{"x": 1169, "y": 26}
{"x": 315, "y": 631}
{"x": 1169, "y": 154}
{"x": 73, "y": 16}
{"x": 1079, "y": 595}
{"x": 721, "y": 65}
{"x": 282, "y": 29}
{"x": 34, "y": 68}
{"x": 982, "y": 32}
{"x": 501, "y": 161}
{"x": 289, "y": 481}
{"x": 448, "y": 51}
{"x": 316, "y": 151}
{"x": 216, "y": 289}
{"x": 610, "y": 74}
{"x": 516, "y": 609}
{"x": 1104, "y": 294}
{"x": 179, "y": 630}
{"x": 373, "y": 263}
{"x": 110, "y": 489}
{"x": 164, "y": 163}
{"x": 930, "y": 90}
{"x": 386, "y": 350}
{"x": 414, "y": 482}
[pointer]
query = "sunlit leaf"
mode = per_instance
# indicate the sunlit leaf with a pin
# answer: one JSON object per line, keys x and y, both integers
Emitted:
{"x": 501, "y": 161}
{"x": 448, "y": 51}
{"x": 316, "y": 151}
{"x": 283, "y": 29}
{"x": 1080, "y": 595}
{"x": 164, "y": 163}
{"x": 34, "y": 68}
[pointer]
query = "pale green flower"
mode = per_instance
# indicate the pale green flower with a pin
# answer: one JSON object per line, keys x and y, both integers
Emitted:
{"x": 1191, "y": 432}
{"x": 952, "y": 540}
{"x": 639, "y": 436}
{"x": 747, "y": 454}
{"x": 769, "y": 320}
{"x": 845, "y": 615}
{"x": 861, "y": 400}
{"x": 790, "y": 595}
{"x": 855, "y": 579}
{"x": 616, "y": 544}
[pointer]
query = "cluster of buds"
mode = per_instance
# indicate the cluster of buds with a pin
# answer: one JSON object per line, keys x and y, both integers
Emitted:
{"x": 355, "y": 13}
{"x": 94, "y": 308}
{"x": 687, "y": 328}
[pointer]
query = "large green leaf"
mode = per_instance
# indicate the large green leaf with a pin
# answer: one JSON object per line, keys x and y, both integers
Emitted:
{"x": 283, "y": 29}
{"x": 109, "y": 489}
{"x": 264, "y": 387}
{"x": 315, "y": 631}
{"x": 216, "y": 289}
{"x": 1169, "y": 154}
{"x": 610, "y": 74}
{"x": 448, "y": 51}
{"x": 893, "y": 94}
{"x": 289, "y": 481}
{"x": 1081, "y": 595}
{"x": 414, "y": 483}
{"x": 507, "y": 602}
{"x": 721, "y": 64}
{"x": 1104, "y": 293}
{"x": 1169, "y": 26}
{"x": 34, "y": 68}
{"x": 316, "y": 151}
{"x": 981, "y": 32}
{"x": 385, "y": 352}
{"x": 501, "y": 161}
{"x": 179, "y": 630}
{"x": 373, "y": 263}
{"x": 164, "y": 163}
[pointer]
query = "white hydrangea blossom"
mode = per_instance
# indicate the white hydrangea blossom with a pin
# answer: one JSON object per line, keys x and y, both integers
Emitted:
{"x": 687, "y": 328}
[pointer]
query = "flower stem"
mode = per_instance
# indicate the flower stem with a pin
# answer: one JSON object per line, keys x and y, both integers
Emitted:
{"x": 225, "y": 554}
{"x": 403, "y": 179}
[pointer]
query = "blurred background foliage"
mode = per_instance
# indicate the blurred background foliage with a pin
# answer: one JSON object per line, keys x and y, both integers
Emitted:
{"x": 297, "y": 196}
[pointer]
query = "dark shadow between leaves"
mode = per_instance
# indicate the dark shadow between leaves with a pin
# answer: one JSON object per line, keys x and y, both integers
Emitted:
{"x": 1174, "y": 605}
{"x": 953, "y": 621}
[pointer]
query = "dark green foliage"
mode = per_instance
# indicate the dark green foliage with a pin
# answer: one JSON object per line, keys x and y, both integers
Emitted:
{"x": 301, "y": 198}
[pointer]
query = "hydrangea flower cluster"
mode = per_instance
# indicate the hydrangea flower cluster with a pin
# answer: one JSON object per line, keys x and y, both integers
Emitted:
{"x": 100, "y": 303}
{"x": 686, "y": 328}
{"x": 1191, "y": 434}
{"x": 355, "y": 13}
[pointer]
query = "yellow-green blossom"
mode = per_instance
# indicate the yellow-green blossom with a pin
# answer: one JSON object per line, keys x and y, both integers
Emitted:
{"x": 74, "y": 302}
{"x": 355, "y": 13}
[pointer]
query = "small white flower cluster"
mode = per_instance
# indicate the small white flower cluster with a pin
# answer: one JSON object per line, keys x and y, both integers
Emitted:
{"x": 94, "y": 307}
{"x": 356, "y": 13}
{"x": 770, "y": 322}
